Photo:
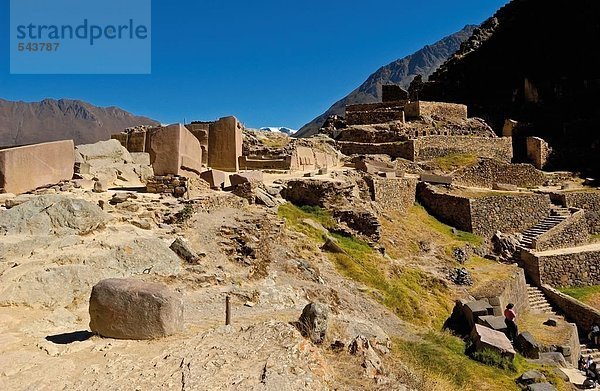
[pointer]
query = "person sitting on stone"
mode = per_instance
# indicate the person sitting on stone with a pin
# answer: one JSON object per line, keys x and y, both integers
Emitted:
{"x": 582, "y": 364}
{"x": 510, "y": 317}
{"x": 594, "y": 335}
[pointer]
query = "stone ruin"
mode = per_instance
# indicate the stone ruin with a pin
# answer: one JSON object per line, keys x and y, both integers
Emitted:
{"x": 26, "y": 168}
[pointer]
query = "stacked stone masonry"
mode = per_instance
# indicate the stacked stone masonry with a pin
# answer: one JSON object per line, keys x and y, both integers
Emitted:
{"x": 396, "y": 194}
{"x": 419, "y": 109}
{"x": 582, "y": 314}
{"x": 575, "y": 267}
{"x": 511, "y": 290}
{"x": 570, "y": 233}
{"x": 486, "y": 213}
{"x": 489, "y": 172}
{"x": 375, "y": 113}
{"x": 588, "y": 200}
{"x": 168, "y": 184}
{"x": 430, "y": 147}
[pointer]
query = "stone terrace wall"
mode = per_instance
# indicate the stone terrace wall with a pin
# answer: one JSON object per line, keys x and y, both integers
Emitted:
{"x": 488, "y": 172}
{"x": 586, "y": 200}
{"x": 450, "y": 209}
{"x": 436, "y": 109}
{"x": 570, "y": 233}
{"x": 582, "y": 314}
{"x": 375, "y": 113}
{"x": 507, "y": 213}
{"x": 24, "y": 169}
{"x": 563, "y": 269}
{"x": 485, "y": 214}
{"x": 513, "y": 290}
{"x": 394, "y": 193}
{"x": 430, "y": 147}
{"x": 404, "y": 150}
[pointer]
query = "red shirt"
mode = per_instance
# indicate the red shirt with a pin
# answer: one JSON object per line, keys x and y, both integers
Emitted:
{"x": 510, "y": 314}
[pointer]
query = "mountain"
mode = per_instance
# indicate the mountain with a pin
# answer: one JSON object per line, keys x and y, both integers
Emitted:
{"x": 537, "y": 65}
{"x": 50, "y": 120}
{"x": 401, "y": 72}
{"x": 284, "y": 130}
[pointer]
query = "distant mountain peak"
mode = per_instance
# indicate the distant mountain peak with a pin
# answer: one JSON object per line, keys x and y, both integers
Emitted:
{"x": 57, "y": 119}
{"x": 400, "y": 72}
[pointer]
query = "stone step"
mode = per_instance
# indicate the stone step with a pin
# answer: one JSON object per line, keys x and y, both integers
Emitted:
{"x": 538, "y": 300}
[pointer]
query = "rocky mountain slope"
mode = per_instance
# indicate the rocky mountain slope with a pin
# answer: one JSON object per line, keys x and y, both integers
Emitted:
{"x": 51, "y": 120}
{"x": 401, "y": 72}
{"x": 533, "y": 64}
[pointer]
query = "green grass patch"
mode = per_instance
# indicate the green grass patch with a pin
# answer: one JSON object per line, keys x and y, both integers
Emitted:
{"x": 436, "y": 225}
{"x": 582, "y": 293}
{"x": 455, "y": 160}
{"x": 411, "y": 294}
{"x": 440, "y": 357}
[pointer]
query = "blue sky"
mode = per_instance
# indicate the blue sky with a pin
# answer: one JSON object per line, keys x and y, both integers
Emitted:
{"x": 270, "y": 63}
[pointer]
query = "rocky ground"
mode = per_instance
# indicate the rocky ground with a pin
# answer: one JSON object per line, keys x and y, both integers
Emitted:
{"x": 57, "y": 246}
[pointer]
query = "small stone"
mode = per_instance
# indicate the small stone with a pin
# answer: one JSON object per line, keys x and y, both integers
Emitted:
{"x": 185, "y": 251}
{"x": 313, "y": 322}
{"x": 99, "y": 187}
{"x": 249, "y": 304}
{"x": 142, "y": 224}
{"x": 531, "y": 377}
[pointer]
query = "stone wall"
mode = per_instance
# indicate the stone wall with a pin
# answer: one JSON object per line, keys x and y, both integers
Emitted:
{"x": 394, "y": 193}
{"x": 511, "y": 290}
{"x": 582, "y": 314}
{"x": 587, "y": 200}
{"x": 175, "y": 150}
{"x": 404, "y": 150}
{"x": 488, "y": 172}
{"x": 570, "y": 233}
{"x": 168, "y": 184}
{"x": 578, "y": 266}
{"x": 538, "y": 151}
{"x": 225, "y": 144}
{"x": 448, "y": 208}
{"x": 259, "y": 163}
{"x": 436, "y": 110}
{"x": 430, "y": 147}
{"x": 485, "y": 214}
{"x": 375, "y": 113}
{"x": 24, "y": 169}
{"x": 507, "y": 213}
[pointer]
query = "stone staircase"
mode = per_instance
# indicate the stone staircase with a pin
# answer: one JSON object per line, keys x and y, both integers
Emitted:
{"x": 587, "y": 349}
{"x": 557, "y": 216}
{"x": 538, "y": 301}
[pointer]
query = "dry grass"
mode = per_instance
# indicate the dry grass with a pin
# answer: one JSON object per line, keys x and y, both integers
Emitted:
{"x": 436, "y": 361}
{"x": 455, "y": 161}
{"x": 589, "y": 295}
{"x": 546, "y": 335}
{"x": 488, "y": 276}
{"x": 405, "y": 235}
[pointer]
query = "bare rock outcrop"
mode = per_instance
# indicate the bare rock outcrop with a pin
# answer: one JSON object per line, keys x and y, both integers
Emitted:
{"x": 52, "y": 215}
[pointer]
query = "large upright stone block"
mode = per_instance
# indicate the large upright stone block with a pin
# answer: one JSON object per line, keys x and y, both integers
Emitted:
{"x": 133, "y": 309}
{"x": 24, "y": 169}
{"x": 225, "y": 144}
{"x": 175, "y": 150}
